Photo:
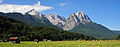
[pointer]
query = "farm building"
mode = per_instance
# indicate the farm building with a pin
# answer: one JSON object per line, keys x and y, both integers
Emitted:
{"x": 44, "y": 39}
{"x": 14, "y": 40}
{"x": 36, "y": 40}
{"x": 3, "y": 40}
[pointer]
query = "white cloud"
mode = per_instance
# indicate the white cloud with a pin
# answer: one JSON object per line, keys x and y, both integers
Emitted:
{"x": 1, "y": 1}
{"x": 63, "y": 4}
{"x": 38, "y": 3}
{"x": 22, "y": 8}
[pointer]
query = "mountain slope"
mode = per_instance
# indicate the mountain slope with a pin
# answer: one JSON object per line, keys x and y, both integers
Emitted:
{"x": 95, "y": 30}
{"x": 82, "y": 24}
{"x": 116, "y": 31}
{"x": 32, "y": 20}
{"x": 12, "y": 28}
{"x": 77, "y": 22}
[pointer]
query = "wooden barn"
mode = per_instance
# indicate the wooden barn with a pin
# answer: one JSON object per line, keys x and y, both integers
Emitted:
{"x": 36, "y": 40}
{"x": 14, "y": 40}
{"x": 44, "y": 39}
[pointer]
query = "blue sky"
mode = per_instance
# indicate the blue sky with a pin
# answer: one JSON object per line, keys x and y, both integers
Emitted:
{"x": 105, "y": 12}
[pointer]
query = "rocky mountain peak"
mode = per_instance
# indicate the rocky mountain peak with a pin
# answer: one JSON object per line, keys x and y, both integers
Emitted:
{"x": 72, "y": 14}
{"x": 80, "y": 14}
{"x": 33, "y": 12}
{"x": 67, "y": 24}
{"x": 56, "y": 20}
{"x": 76, "y": 19}
{"x": 71, "y": 22}
{"x": 83, "y": 18}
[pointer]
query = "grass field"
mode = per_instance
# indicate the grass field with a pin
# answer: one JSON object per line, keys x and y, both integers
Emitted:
{"x": 112, "y": 43}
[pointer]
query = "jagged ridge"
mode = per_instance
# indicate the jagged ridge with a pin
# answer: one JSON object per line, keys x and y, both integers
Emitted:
{"x": 76, "y": 19}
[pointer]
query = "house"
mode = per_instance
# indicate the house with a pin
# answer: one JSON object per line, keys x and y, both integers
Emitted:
{"x": 44, "y": 39}
{"x": 49, "y": 40}
{"x": 36, "y": 40}
{"x": 3, "y": 40}
{"x": 14, "y": 40}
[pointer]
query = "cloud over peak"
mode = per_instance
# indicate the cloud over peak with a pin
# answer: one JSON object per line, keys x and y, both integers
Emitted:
{"x": 22, "y": 8}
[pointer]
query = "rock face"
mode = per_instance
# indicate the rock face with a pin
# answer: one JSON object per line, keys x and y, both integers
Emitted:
{"x": 66, "y": 24}
{"x": 71, "y": 22}
{"x": 83, "y": 18}
{"x": 53, "y": 19}
{"x": 77, "y": 22}
{"x": 56, "y": 20}
{"x": 35, "y": 16}
{"x": 35, "y": 13}
{"x": 76, "y": 19}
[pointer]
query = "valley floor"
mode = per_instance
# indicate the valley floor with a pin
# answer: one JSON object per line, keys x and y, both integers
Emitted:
{"x": 111, "y": 43}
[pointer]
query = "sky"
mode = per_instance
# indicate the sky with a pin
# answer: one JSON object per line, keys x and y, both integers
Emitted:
{"x": 104, "y": 12}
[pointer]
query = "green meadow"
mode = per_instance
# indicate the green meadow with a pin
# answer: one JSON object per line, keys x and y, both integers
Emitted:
{"x": 112, "y": 43}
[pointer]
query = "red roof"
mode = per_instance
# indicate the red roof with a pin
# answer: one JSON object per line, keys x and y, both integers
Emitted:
{"x": 13, "y": 38}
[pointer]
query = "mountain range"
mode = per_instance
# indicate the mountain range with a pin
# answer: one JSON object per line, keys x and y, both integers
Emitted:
{"x": 13, "y": 28}
{"x": 77, "y": 22}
